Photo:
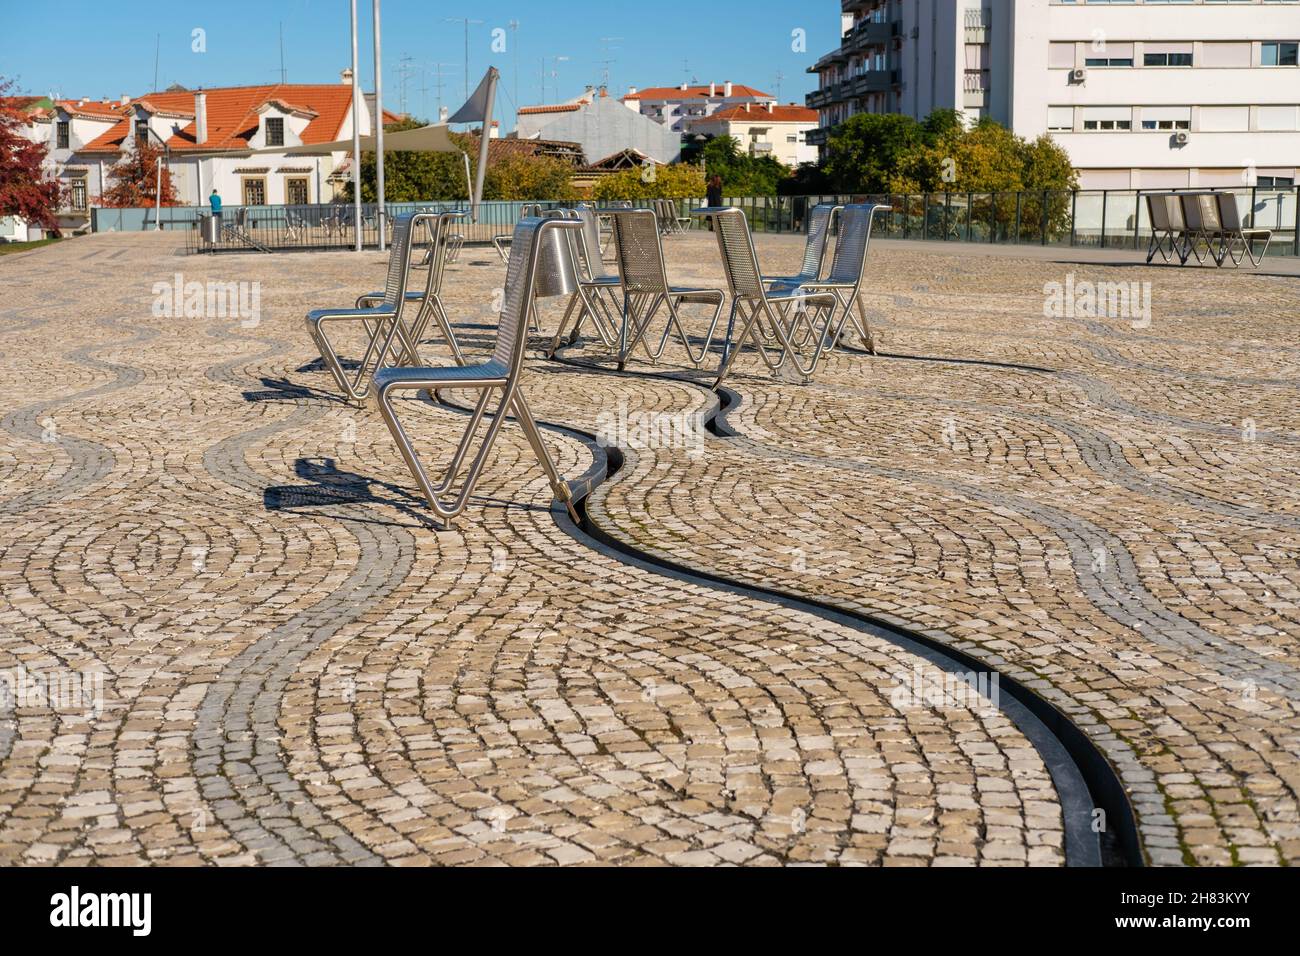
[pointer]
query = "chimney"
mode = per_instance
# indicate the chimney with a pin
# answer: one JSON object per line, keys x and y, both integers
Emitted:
{"x": 443, "y": 113}
{"x": 770, "y": 106}
{"x": 81, "y": 102}
{"x": 713, "y": 89}
{"x": 631, "y": 91}
{"x": 726, "y": 88}
{"x": 495, "y": 132}
{"x": 684, "y": 87}
{"x": 125, "y": 99}
{"x": 345, "y": 75}
{"x": 746, "y": 107}
{"x": 200, "y": 117}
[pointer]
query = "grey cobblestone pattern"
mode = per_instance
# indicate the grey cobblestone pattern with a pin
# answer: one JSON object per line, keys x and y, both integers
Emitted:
{"x": 506, "y": 704}
{"x": 340, "y": 683}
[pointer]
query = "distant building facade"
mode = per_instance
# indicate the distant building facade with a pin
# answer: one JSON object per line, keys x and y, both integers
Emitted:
{"x": 766, "y": 130}
{"x": 1141, "y": 94}
{"x": 601, "y": 126}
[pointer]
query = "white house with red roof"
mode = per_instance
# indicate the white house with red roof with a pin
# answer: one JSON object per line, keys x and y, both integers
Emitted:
{"x": 209, "y": 137}
{"x": 766, "y": 130}
{"x": 677, "y": 107}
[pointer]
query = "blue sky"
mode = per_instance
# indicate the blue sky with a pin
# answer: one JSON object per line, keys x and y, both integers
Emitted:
{"x": 98, "y": 49}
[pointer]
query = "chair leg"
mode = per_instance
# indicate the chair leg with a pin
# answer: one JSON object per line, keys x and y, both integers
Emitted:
{"x": 524, "y": 416}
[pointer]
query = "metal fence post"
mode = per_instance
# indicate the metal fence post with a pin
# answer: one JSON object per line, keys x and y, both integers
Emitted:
{"x": 1137, "y": 216}
{"x": 1045, "y": 195}
{"x": 1016, "y": 234}
{"x": 1103, "y": 218}
{"x": 1074, "y": 211}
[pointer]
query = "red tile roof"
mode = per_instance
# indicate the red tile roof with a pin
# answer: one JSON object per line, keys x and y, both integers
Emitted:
{"x": 95, "y": 109}
{"x": 558, "y": 108}
{"x": 694, "y": 92}
{"x": 779, "y": 114}
{"x": 233, "y": 117}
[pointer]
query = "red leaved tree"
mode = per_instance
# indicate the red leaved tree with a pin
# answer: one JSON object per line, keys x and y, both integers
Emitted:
{"x": 25, "y": 189}
{"x": 135, "y": 178}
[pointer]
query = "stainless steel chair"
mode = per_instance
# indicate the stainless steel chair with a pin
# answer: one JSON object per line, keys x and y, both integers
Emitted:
{"x": 382, "y": 322}
{"x": 1234, "y": 234}
{"x": 849, "y": 269}
{"x": 772, "y": 314}
{"x": 1201, "y": 216}
{"x": 821, "y": 222}
{"x": 439, "y": 254}
{"x": 1162, "y": 228}
{"x": 644, "y": 281}
{"x": 597, "y": 292}
{"x": 499, "y": 375}
{"x": 531, "y": 210}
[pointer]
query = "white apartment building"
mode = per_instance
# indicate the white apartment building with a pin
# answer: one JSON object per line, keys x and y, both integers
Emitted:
{"x": 766, "y": 130}
{"x": 1141, "y": 93}
{"x": 678, "y": 107}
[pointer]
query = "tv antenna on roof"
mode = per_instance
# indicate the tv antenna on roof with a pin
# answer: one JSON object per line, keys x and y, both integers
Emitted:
{"x": 467, "y": 21}
{"x": 283, "y": 74}
{"x": 779, "y": 77}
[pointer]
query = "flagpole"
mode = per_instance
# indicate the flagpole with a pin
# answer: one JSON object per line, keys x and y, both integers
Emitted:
{"x": 379, "y": 129}
{"x": 356, "y": 134}
{"x": 493, "y": 76}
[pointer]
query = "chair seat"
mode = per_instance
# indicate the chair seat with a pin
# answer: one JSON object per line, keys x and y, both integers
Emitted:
{"x": 603, "y": 281}
{"x": 485, "y": 372}
{"x": 800, "y": 293}
{"x": 315, "y": 315}
{"x": 410, "y": 296}
{"x": 789, "y": 280}
{"x": 694, "y": 295}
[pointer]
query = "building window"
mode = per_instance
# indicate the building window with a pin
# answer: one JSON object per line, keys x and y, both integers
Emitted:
{"x": 1278, "y": 54}
{"x": 295, "y": 192}
{"x": 1166, "y": 59}
{"x": 63, "y": 134}
{"x": 254, "y": 192}
{"x": 1166, "y": 124}
{"x": 1275, "y": 182}
{"x": 1108, "y": 61}
{"x": 275, "y": 131}
{"x": 1107, "y": 124}
{"x": 79, "y": 195}
{"x": 142, "y": 131}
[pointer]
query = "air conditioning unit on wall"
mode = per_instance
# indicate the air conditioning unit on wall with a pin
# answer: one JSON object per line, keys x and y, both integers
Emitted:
{"x": 1181, "y": 137}
{"x": 1078, "y": 75}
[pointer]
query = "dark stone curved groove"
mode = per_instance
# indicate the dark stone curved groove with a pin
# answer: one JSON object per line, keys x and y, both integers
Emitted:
{"x": 1083, "y": 777}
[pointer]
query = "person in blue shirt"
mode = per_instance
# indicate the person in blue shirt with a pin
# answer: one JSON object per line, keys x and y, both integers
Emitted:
{"x": 215, "y": 201}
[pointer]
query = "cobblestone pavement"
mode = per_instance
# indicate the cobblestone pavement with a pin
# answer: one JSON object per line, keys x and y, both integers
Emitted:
{"x": 297, "y": 666}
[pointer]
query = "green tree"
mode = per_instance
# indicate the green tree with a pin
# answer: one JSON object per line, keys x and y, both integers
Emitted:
{"x": 742, "y": 174}
{"x": 666, "y": 182}
{"x": 864, "y": 151}
{"x": 529, "y": 177}
{"x": 411, "y": 176}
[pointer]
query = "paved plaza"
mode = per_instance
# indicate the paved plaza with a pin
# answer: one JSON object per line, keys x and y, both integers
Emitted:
{"x": 291, "y": 663}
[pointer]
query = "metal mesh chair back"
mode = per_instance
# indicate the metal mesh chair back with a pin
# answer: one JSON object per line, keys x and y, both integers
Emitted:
{"x": 1158, "y": 210}
{"x": 739, "y": 260}
{"x": 640, "y": 252}
{"x": 399, "y": 256}
{"x": 1174, "y": 213}
{"x": 439, "y": 225}
{"x": 819, "y": 229}
{"x": 589, "y": 242}
{"x": 518, "y": 299}
{"x": 1209, "y": 207}
{"x": 1229, "y": 214}
{"x": 851, "y": 250}
{"x": 1191, "y": 212}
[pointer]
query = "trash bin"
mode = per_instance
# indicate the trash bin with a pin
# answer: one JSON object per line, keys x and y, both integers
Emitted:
{"x": 210, "y": 228}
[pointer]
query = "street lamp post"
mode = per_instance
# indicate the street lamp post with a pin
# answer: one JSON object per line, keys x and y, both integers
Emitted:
{"x": 379, "y": 130}
{"x": 356, "y": 135}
